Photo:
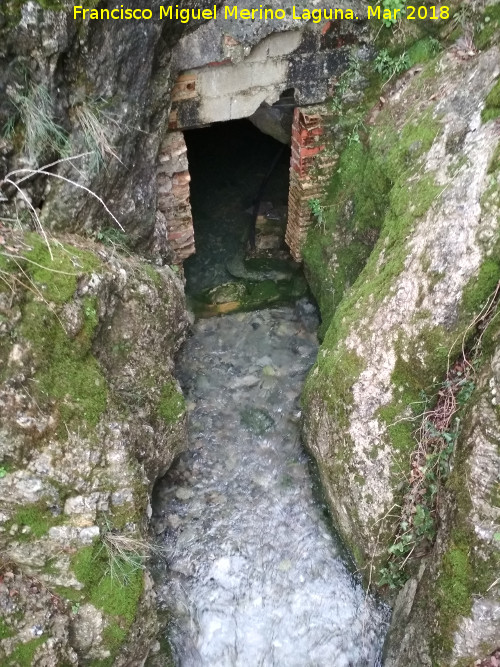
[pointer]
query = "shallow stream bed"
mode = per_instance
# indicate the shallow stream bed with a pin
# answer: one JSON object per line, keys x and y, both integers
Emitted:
{"x": 254, "y": 574}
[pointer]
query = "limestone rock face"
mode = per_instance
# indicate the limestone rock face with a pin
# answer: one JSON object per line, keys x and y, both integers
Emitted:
{"x": 49, "y": 70}
{"x": 91, "y": 417}
{"x": 473, "y": 508}
{"x": 431, "y": 271}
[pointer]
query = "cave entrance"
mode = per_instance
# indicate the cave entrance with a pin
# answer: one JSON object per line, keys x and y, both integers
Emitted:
{"x": 238, "y": 175}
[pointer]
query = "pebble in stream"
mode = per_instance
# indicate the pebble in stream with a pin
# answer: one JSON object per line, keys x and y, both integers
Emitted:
{"x": 254, "y": 575}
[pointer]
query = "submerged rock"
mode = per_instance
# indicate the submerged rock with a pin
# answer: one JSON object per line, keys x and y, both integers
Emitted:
{"x": 257, "y": 420}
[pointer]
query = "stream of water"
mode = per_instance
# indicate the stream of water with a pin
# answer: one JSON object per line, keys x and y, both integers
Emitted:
{"x": 254, "y": 574}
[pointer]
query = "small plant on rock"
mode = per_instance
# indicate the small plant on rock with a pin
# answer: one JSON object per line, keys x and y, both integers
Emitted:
{"x": 95, "y": 125}
{"x": 391, "y": 5}
{"x": 389, "y": 66}
{"x": 42, "y": 135}
{"x": 436, "y": 435}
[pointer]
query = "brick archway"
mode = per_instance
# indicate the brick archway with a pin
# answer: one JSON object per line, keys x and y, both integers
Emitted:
{"x": 309, "y": 166}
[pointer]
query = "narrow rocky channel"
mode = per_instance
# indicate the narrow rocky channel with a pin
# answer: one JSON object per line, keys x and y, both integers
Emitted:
{"x": 254, "y": 575}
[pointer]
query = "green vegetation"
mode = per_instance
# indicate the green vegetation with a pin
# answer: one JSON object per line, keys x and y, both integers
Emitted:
{"x": 172, "y": 405}
{"x": 350, "y": 212}
{"x": 5, "y": 630}
{"x": 316, "y": 210}
{"x": 373, "y": 193}
{"x": 454, "y": 587}
{"x": 392, "y": 5}
{"x": 389, "y": 66}
{"x": 117, "y": 597}
{"x": 57, "y": 277}
{"x": 70, "y": 594}
{"x": 66, "y": 369}
{"x": 492, "y": 104}
{"x": 37, "y": 517}
{"x": 466, "y": 570}
{"x": 23, "y": 654}
{"x": 111, "y": 236}
{"x": 487, "y": 27}
{"x": 153, "y": 274}
{"x": 41, "y": 134}
{"x": 113, "y": 637}
{"x": 423, "y": 50}
{"x": 352, "y": 260}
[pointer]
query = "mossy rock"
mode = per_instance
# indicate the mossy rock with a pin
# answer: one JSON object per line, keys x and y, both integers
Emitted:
{"x": 55, "y": 268}
{"x": 225, "y": 293}
{"x": 172, "y": 405}
{"x": 249, "y": 295}
{"x": 66, "y": 371}
{"x": 487, "y": 27}
{"x": 24, "y": 653}
{"x": 491, "y": 108}
{"x": 113, "y": 584}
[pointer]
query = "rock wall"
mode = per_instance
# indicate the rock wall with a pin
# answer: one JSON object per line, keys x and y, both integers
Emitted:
{"x": 404, "y": 261}
{"x": 58, "y": 99}
{"x": 91, "y": 417}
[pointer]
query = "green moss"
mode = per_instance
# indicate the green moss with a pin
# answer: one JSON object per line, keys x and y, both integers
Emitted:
{"x": 91, "y": 319}
{"x": 113, "y": 637}
{"x": 491, "y": 108}
{"x": 23, "y": 654}
{"x": 67, "y": 593}
{"x": 481, "y": 287}
{"x": 66, "y": 370}
{"x": 376, "y": 192}
{"x": 468, "y": 567}
{"x": 152, "y": 274}
{"x": 494, "y": 165}
{"x": 487, "y": 28}
{"x": 353, "y": 214}
{"x": 423, "y": 50}
{"x": 332, "y": 378}
{"x": 37, "y": 517}
{"x": 5, "y": 630}
{"x": 454, "y": 588}
{"x": 172, "y": 405}
{"x": 56, "y": 277}
{"x": 382, "y": 178}
{"x": 117, "y": 597}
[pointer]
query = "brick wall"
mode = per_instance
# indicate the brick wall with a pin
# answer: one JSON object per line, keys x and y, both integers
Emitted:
{"x": 309, "y": 168}
{"x": 173, "y": 196}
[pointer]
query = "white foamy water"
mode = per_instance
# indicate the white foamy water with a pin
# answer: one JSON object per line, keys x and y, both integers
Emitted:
{"x": 255, "y": 576}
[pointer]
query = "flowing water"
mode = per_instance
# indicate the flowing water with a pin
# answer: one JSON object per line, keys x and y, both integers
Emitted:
{"x": 254, "y": 574}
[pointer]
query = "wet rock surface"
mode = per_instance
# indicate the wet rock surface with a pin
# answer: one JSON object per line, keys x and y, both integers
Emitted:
{"x": 254, "y": 574}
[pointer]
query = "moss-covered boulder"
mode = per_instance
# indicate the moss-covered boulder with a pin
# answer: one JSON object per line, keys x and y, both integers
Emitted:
{"x": 406, "y": 265}
{"x": 91, "y": 416}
